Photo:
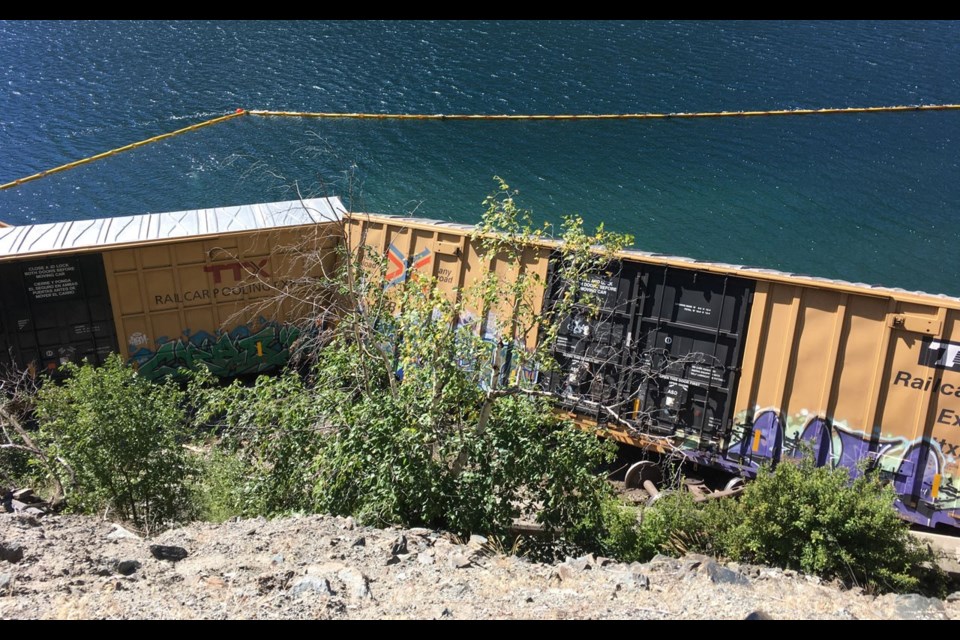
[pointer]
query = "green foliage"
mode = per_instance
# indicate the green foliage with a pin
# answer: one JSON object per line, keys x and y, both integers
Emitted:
{"x": 416, "y": 456}
{"x": 14, "y": 468}
{"x": 797, "y": 516}
{"x": 813, "y": 519}
{"x": 224, "y": 489}
{"x": 619, "y": 535}
{"x": 268, "y": 438}
{"x": 430, "y": 421}
{"x": 118, "y": 439}
{"x": 674, "y": 526}
{"x": 506, "y": 233}
{"x": 18, "y": 452}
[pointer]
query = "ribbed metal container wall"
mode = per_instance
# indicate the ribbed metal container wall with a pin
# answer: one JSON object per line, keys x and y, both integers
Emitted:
{"x": 754, "y": 365}
{"x": 735, "y": 367}
{"x": 166, "y": 290}
{"x": 858, "y": 378}
{"x": 213, "y": 301}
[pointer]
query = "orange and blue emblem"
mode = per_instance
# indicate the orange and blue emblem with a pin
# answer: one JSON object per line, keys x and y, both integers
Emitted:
{"x": 399, "y": 262}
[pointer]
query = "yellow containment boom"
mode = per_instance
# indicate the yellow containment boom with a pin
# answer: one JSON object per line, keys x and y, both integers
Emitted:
{"x": 482, "y": 117}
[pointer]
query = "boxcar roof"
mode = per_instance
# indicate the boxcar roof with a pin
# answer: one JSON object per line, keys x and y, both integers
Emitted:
{"x": 79, "y": 234}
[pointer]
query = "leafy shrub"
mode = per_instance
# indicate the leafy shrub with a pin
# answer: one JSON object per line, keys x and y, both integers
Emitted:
{"x": 814, "y": 519}
{"x": 14, "y": 468}
{"x": 430, "y": 419}
{"x": 268, "y": 436}
{"x": 674, "y": 525}
{"x": 417, "y": 456}
{"x": 619, "y": 534}
{"x": 223, "y": 489}
{"x": 118, "y": 441}
{"x": 798, "y": 516}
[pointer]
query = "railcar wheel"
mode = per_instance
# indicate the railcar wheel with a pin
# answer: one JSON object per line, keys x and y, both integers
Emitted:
{"x": 639, "y": 472}
{"x": 734, "y": 483}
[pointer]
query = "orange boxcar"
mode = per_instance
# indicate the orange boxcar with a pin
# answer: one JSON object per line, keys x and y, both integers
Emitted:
{"x": 733, "y": 366}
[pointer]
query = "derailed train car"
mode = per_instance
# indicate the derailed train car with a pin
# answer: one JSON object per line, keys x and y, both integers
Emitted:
{"x": 737, "y": 367}
{"x": 733, "y": 366}
{"x": 166, "y": 290}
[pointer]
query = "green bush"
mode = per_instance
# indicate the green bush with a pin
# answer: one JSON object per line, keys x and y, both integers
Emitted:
{"x": 619, "y": 535}
{"x": 674, "y": 525}
{"x": 417, "y": 456}
{"x": 815, "y": 520}
{"x": 223, "y": 490}
{"x": 14, "y": 469}
{"x": 798, "y": 516}
{"x": 118, "y": 441}
{"x": 430, "y": 422}
{"x": 267, "y": 436}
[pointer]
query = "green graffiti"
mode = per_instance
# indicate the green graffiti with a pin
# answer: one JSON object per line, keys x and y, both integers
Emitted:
{"x": 225, "y": 354}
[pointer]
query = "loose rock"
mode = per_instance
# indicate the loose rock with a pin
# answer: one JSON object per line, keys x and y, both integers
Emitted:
{"x": 912, "y": 606}
{"x": 356, "y": 582}
{"x": 119, "y": 533}
{"x": 168, "y": 552}
{"x": 582, "y": 563}
{"x": 757, "y": 615}
{"x": 11, "y": 552}
{"x": 127, "y": 567}
{"x": 563, "y": 572}
{"x": 636, "y": 580}
{"x": 310, "y": 584}
{"x": 459, "y": 561}
{"x": 722, "y": 575}
{"x": 399, "y": 545}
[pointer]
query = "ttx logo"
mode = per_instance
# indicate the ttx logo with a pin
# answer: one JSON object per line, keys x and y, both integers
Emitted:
{"x": 237, "y": 269}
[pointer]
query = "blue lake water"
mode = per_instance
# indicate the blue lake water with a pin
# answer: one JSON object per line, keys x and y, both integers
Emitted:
{"x": 865, "y": 198}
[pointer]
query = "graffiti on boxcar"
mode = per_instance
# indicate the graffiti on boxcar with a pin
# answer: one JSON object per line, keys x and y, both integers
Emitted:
{"x": 238, "y": 351}
{"x": 923, "y": 471}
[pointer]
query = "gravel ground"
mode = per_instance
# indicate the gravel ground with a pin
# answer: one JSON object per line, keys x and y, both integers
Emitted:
{"x": 322, "y": 567}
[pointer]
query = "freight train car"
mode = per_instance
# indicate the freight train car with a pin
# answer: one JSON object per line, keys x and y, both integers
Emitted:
{"x": 736, "y": 367}
{"x": 733, "y": 367}
{"x": 165, "y": 290}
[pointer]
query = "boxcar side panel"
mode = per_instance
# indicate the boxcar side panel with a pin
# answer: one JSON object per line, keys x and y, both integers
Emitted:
{"x": 213, "y": 300}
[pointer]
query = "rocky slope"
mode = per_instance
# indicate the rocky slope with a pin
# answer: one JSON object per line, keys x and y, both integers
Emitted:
{"x": 320, "y": 567}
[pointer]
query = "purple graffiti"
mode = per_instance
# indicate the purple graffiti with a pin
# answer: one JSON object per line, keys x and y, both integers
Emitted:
{"x": 817, "y": 436}
{"x": 910, "y": 480}
{"x": 766, "y": 446}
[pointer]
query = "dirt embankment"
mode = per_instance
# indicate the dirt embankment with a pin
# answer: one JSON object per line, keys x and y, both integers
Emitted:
{"x": 321, "y": 567}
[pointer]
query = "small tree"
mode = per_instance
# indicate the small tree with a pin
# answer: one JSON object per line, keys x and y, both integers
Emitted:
{"x": 118, "y": 438}
{"x": 430, "y": 420}
{"x": 20, "y": 454}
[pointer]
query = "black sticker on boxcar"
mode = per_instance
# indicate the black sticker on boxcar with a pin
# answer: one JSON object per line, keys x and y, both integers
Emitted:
{"x": 940, "y": 354}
